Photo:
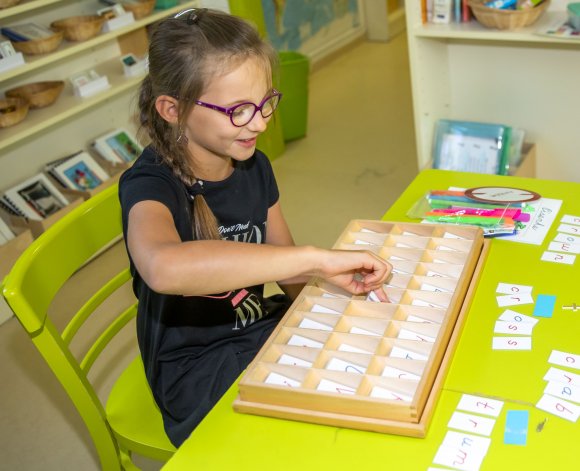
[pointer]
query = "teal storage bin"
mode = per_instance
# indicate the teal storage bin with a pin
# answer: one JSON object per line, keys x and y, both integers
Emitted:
{"x": 294, "y": 72}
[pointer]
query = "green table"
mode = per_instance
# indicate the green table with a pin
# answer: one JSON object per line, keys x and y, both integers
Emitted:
{"x": 228, "y": 440}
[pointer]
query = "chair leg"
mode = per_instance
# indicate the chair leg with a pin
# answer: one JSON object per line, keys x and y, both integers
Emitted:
{"x": 126, "y": 460}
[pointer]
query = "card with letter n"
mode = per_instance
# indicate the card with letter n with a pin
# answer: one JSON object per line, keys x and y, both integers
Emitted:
{"x": 353, "y": 361}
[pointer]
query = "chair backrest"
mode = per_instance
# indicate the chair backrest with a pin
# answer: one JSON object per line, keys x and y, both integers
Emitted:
{"x": 39, "y": 274}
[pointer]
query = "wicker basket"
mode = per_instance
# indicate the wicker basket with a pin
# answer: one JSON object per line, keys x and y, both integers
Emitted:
{"x": 79, "y": 28}
{"x": 139, "y": 8}
{"x": 8, "y": 3}
{"x": 39, "y": 46}
{"x": 12, "y": 111}
{"x": 506, "y": 19}
{"x": 38, "y": 94}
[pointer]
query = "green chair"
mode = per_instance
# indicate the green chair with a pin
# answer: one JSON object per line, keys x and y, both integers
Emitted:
{"x": 130, "y": 421}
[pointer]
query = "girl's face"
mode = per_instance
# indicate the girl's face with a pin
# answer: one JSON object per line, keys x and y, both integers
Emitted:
{"x": 213, "y": 140}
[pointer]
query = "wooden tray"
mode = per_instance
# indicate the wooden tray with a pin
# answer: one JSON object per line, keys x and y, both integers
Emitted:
{"x": 347, "y": 361}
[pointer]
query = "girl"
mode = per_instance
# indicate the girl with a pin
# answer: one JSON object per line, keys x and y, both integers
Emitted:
{"x": 203, "y": 226}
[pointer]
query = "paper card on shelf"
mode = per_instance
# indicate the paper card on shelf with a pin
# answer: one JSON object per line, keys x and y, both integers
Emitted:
{"x": 384, "y": 393}
{"x": 514, "y": 299}
{"x": 323, "y": 309}
{"x": 567, "y": 238}
{"x": 275, "y": 378}
{"x": 558, "y": 258}
{"x": 398, "y": 352}
{"x": 331, "y": 386}
{"x": 392, "y": 372}
{"x": 562, "y": 376}
{"x": 480, "y": 405}
{"x": 337, "y": 364}
{"x": 511, "y": 343}
{"x": 559, "y": 407}
{"x": 569, "y": 229}
{"x": 471, "y": 423}
{"x": 569, "y": 219}
{"x": 373, "y": 297}
{"x": 564, "y": 247}
{"x": 512, "y": 316}
{"x": 361, "y": 242}
{"x": 516, "y": 427}
{"x": 563, "y": 391}
{"x": 300, "y": 341}
{"x": 286, "y": 359}
{"x": 508, "y": 288}
{"x": 564, "y": 359}
{"x": 513, "y": 328}
{"x": 310, "y": 324}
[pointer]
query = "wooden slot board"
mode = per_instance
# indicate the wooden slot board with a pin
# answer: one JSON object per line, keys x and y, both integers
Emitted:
{"x": 348, "y": 361}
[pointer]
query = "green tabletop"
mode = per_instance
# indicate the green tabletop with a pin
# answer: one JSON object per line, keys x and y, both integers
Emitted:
{"x": 229, "y": 440}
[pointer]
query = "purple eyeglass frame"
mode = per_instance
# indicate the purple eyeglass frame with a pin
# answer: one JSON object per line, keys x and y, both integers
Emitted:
{"x": 230, "y": 110}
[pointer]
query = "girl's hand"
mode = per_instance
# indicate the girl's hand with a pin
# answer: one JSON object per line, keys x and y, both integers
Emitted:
{"x": 357, "y": 272}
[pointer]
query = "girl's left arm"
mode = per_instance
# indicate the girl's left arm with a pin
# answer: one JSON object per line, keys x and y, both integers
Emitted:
{"x": 278, "y": 233}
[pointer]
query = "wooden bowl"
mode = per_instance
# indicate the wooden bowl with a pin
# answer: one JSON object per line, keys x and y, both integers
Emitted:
{"x": 39, "y": 46}
{"x": 8, "y": 3}
{"x": 12, "y": 111}
{"x": 139, "y": 8}
{"x": 506, "y": 19}
{"x": 38, "y": 94}
{"x": 79, "y": 28}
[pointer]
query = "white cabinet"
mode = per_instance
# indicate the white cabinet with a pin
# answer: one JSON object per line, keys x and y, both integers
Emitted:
{"x": 519, "y": 78}
{"x": 71, "y": 123}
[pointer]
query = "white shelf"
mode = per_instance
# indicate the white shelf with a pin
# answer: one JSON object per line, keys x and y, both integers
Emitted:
{"x": 68, "y": 105}
{"x": 475, "y": 31}
{"x": 25, "y": 7}
{"x": 68, "y": 49}
{"x": 465, "y": 71}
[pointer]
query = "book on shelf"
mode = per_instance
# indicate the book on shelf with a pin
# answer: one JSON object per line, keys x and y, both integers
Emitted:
{"x": 26, "y": 32}
{"x": 35, "y": 198}
{"x": 78, "y": 171}
{"x": 118, "y": 146}
{"x": 6, "y": 233}
{"x": 468, "y": 146}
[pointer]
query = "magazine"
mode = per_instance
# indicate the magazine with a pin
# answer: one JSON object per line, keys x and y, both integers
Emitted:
{"x": 118, "y": 146}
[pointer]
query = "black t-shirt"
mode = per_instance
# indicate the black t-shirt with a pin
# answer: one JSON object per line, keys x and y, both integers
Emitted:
{"x": 200, "y": 332}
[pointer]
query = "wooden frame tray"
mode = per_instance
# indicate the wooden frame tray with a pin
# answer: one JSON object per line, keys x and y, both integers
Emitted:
{"x": 348, "y": 361}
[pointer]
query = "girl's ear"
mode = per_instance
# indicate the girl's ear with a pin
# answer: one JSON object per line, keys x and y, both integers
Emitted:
{"x": 168, "y": 108}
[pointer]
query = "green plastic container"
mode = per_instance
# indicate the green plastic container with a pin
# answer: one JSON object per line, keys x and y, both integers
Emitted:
{"x": 271, "y": 141}
{"x": 293, "y": 109}
{"x": 164, "y": 4}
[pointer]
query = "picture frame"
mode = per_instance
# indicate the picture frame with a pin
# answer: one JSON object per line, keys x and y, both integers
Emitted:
{"x": 35, "y": 198}
{"x": 118, "y": 146}
{"x": 80, "y": 172}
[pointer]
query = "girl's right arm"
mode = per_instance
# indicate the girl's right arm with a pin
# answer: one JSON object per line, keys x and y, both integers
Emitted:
{"x": 203, "y": 267}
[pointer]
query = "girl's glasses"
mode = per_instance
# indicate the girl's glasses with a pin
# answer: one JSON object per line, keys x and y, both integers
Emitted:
{"x": 242, "y": 113}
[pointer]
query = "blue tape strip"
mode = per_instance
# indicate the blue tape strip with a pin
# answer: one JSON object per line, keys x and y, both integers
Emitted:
{"x": 544, "y": 305}
{"x": 516, "y": 427}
